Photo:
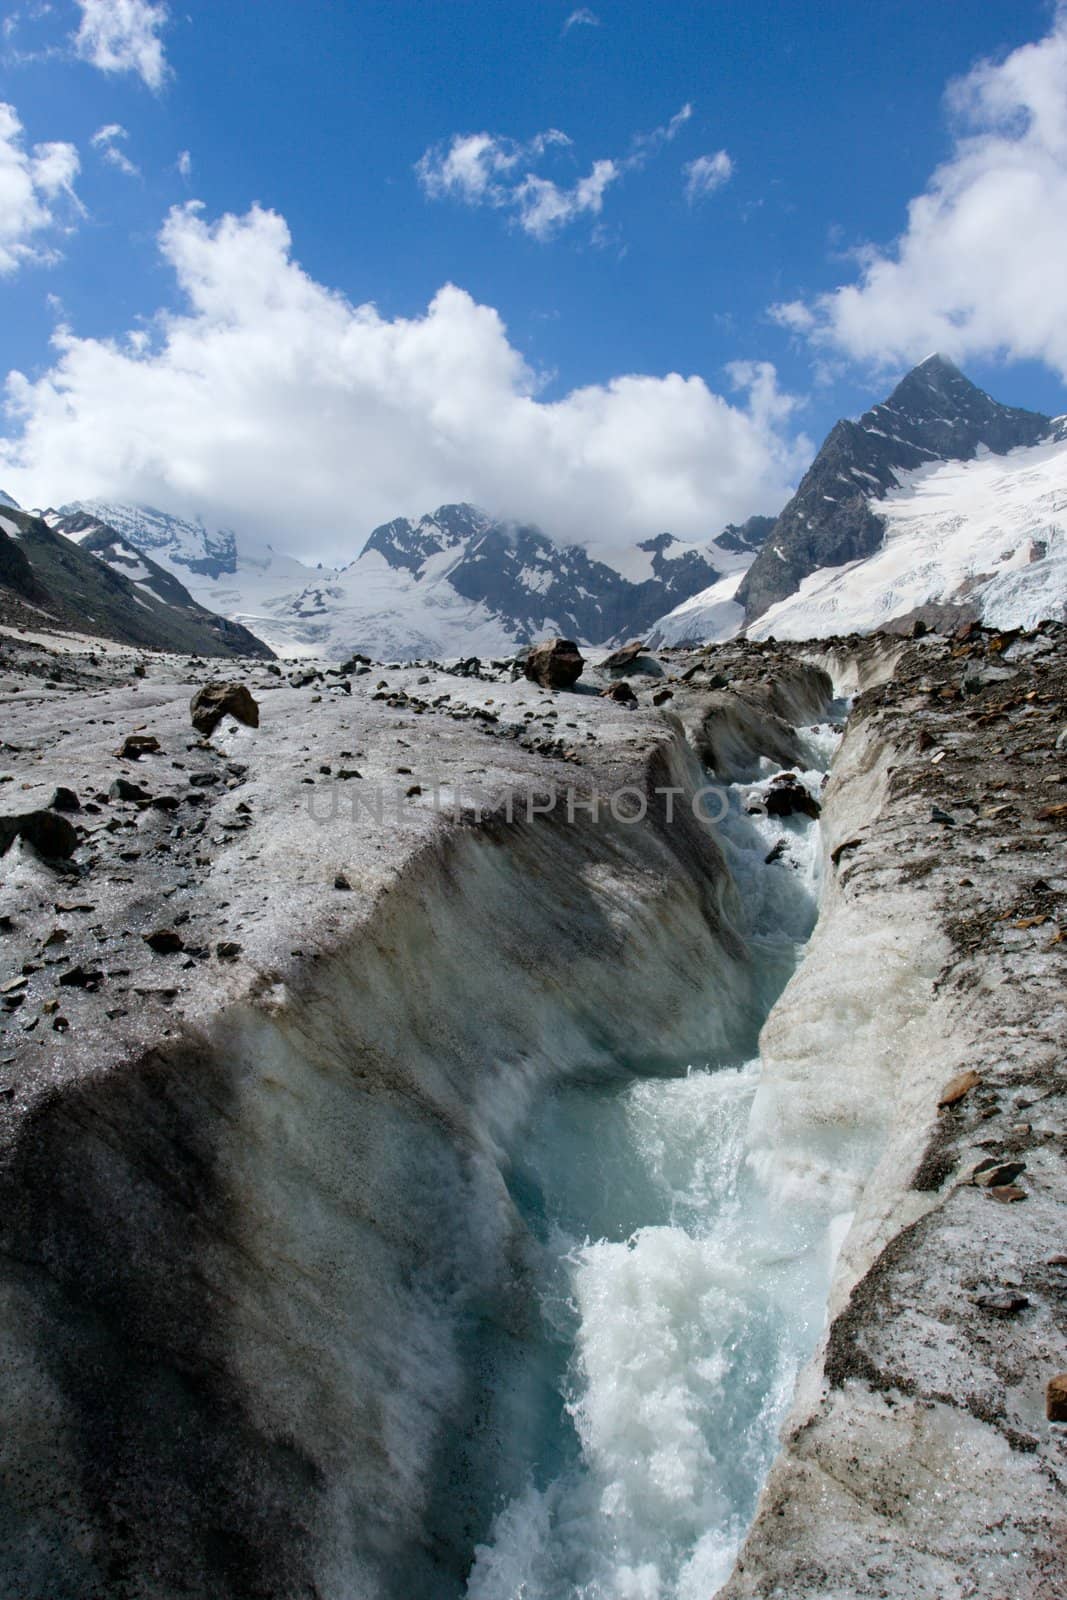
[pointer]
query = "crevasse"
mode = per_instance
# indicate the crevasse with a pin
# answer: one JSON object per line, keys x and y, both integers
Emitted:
{"x": 677, "y": 1299}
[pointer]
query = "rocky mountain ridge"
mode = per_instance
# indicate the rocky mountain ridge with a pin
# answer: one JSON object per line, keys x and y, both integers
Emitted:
{"x": 74, "y": 572}
{"x": 934, "y": 414}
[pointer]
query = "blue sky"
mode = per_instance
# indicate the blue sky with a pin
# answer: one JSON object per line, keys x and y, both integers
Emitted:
{"x": 812, "y": 126}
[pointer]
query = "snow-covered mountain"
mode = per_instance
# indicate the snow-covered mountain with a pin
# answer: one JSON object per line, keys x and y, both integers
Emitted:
{"x": 76, "y": 573}
{"x": 457, "y": 582}
{"x": 990, "y": 533}
{"x": 174, "y": 541}
{"x": 933, "y": 414}
{"x": 939, "y": 495}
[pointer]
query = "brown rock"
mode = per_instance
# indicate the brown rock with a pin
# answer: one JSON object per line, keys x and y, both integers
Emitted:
{"x": 621, "y": 692}
{"x": 957, "y": 1087}
{"x": 217, "y": 700}
{"x": 554, "y": 664}
{"x": 1005, "y": 1304}
{"x": 991, "y": 1174}
{"x": 625, "y": 657}
{"x": 164, "y": 941}
{"x": 136, "y": 745}
{"x": 1056, "y": 1398}
{"x": 1006, "y": 1193}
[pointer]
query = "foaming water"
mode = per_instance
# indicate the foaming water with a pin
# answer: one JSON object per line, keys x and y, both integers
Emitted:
{"x": 677, "y": 1303}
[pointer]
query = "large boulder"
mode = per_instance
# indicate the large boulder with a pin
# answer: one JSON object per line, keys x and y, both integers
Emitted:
{"x": 554, "y": 664}
{"x": 217, "y": 700}
{"x": 51, "y": 835}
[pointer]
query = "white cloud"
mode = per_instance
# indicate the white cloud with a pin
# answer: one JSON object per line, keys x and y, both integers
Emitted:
{"x": 979, "y": 269}
{"x": 582, "y": 18}
{"x": 484, "y": 169}
{"x": 706, "y": 174}
{"x": 184, "y": 164}
{"x": 106, "y": 139}
{"x": 31, "y": 184}
{"x": 480, "y": 169}
{"x": 123, "y": 36}
{"x": 273, "y": 404}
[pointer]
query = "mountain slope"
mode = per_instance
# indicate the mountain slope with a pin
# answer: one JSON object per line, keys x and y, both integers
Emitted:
{"x": 935, "y": 413}
{"x": 990, "y": 533}
{"x": 173, "y": 540}
{"x": 113, "y": 591}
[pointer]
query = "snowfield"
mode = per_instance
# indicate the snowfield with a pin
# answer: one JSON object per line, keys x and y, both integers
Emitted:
{"x": 992, "y": 531}
{"x": 711, "y": 614}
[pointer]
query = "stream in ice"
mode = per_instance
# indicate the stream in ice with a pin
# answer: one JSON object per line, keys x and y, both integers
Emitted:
{"x": 676, "y": 1302}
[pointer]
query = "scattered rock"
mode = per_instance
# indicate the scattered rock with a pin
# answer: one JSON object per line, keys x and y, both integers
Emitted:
{"x": 625, "y": 658}
{"x": 661, "y": 696}
{"x": 787, "y": 796}
{"x": 1002, "y": 1305}
{"x": 164, "y": 941}
{"x": 957, "y": 1087}
{"x": 992, "y": 1173}
{"x": 1056, "y": 1398}
{"x": 341, "y": 882}
{"x": 51, "y": 835}
{"x": 64, "y": 800}
{"x": 1007, "y": 1193}
{"x": 79, "y": 978}
{"x": 621, "y": 692}
{"x": 227, "y": 950}
{"x": 123, "y": 789}
{"x": 217, "y": 700}
{"x": 776, "y": 854}
{"x": 554, "y": 664}
{"x": 136, "y": 745}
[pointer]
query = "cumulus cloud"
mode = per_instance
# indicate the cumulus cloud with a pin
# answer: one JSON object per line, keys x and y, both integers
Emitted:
{"x": 582, "y": 18}
{"x": 32, "y": 182}
{"x": 484, "y": 169}
{"x": 106, "y": 140}
{"x": 979, "y": 268}
{"x": 273, "y": 404}
{"x": 123, "y": 36}
{"x": 705, "y": 174}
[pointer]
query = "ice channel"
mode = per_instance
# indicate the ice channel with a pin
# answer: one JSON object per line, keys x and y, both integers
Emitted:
{"x": 676, "y": 1301}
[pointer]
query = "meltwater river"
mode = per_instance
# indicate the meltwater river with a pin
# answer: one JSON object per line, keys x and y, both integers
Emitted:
{"x": 676, "y": 1303}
